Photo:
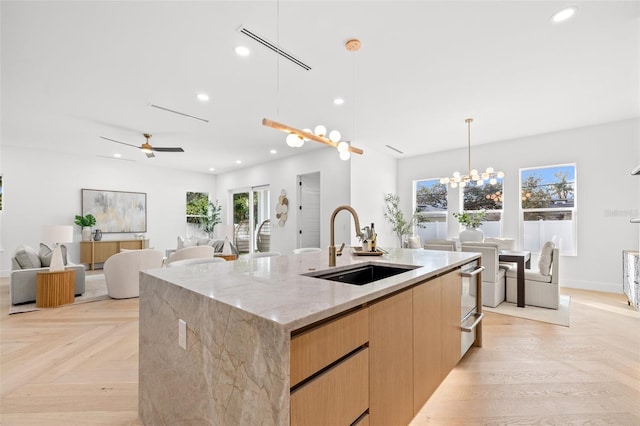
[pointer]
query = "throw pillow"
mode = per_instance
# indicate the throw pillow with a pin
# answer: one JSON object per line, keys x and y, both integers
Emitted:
{"x": 27, "y": 258}
{"x": 189, "y": 242}
{"x": 46, "y": 251}
{"x": 204, "y": 242}
{"x": 544, "y": 262}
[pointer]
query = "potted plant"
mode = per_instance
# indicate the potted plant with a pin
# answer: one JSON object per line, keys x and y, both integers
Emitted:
{"x": 471, "y": 222}
{"x": 395, "y": 216}
{"x": 209, "y": 222}
{"x": 85, "y": 222}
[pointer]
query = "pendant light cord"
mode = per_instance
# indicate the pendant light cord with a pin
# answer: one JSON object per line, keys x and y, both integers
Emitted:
{"x": 278, "y": 59}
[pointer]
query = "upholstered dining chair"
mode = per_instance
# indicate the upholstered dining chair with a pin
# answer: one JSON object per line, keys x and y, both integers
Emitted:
{"x": 446, "y": 245}
{"x": 195, "y": 261}
{"x": 122, "y": 271}
{"x": 541, "y": 287}
{"x": 194, "y": 252}
{"x": 306, "y": 250}
{"x": 264, "y": 254}
{"x": 493, "y": 277}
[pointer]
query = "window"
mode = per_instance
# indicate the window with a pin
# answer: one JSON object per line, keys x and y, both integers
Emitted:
{"x": 485, "y": 196}
{"x": 430, "y": 201}
{"x": 548, "y": 206}
{"x": 197, "y": 208}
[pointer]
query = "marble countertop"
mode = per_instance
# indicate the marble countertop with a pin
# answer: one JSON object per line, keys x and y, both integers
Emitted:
{"x": 273, "y": 287}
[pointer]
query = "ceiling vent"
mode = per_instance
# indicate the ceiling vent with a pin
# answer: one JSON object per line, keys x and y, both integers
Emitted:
{"x": 263, "y": 41}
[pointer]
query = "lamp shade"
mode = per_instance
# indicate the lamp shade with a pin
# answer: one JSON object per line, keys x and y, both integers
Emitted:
{"x": 57, "y": 234}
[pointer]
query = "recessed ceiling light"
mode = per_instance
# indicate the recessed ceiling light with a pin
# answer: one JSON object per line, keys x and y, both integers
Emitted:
{"x": 273, "y": 151}
{"x": 238, "y": 161}
{"x": 338, "y": 101}
{"x": 564, "y": 14}
{"x": 242, "y": 51}
{"x": 211, "y": 169}
{"x": 203, "y": 97}
{"x": 117, "y": 155}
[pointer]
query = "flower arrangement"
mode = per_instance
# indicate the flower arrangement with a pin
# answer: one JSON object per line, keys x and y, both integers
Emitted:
{"x": 470, "y": 220}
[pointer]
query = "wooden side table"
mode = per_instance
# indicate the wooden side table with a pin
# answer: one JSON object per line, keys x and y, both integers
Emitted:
{"x": 55, "y": 288}
{"x": 226, "y": 257}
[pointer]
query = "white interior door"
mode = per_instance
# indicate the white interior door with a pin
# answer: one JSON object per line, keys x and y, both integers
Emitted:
{"x": 309, "y": 210}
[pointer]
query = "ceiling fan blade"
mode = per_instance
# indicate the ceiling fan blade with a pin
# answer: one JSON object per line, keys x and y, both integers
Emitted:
{"x": 149, "y": 154}
{"x": 160, "y": 149}
{"x": 123, "y": 143}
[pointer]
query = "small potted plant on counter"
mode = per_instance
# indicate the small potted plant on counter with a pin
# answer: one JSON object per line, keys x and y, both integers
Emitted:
{"x": 85, "y": 222}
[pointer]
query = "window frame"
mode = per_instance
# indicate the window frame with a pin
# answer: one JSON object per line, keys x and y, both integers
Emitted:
{"x": 440, "y": 214}
{"x": 572, "y": 209}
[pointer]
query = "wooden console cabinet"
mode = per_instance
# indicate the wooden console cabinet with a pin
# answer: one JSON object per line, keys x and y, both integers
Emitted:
{"x": 92, "y": 252}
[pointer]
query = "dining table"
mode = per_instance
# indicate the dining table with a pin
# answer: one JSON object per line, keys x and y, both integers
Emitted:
{"x": 523, "y": 260}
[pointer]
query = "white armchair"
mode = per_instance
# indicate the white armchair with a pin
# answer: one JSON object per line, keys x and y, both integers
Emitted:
{"x": 493, "y": 277}
{"x": 540, "y": 287}
{"x": 122, "y": 271}
{"x": 195, "y": 252}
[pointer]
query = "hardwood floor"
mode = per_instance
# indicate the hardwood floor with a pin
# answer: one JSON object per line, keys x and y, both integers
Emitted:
{"x": 78, "y": 365}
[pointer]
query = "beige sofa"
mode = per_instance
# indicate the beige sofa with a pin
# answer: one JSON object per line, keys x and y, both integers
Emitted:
{"x": 25, "y": 265}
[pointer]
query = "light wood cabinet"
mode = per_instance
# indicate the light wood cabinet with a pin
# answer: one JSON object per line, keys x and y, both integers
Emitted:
{"x": 338, "y": 396}
{"x": 314, "y": 349}
{"x": 391, "y": 360}
{"x": 329, "y": 371}
{"x": 378, "y": 364}
{"x": 92, "y": 252}
{"x": 427, "y": 341}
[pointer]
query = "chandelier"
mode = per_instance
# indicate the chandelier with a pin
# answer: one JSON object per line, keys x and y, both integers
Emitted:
{"x": 296, "y": 138}
{"x": 489, "y": 174}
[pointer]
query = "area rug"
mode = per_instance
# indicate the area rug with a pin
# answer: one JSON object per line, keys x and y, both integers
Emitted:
{"x": 558, "y": 316}
{"x": 95, "y": 288}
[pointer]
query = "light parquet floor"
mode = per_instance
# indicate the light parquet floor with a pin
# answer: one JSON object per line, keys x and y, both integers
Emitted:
{"x": 78, "y": 365}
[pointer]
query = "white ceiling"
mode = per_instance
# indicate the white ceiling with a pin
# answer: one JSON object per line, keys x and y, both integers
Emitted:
{"x": 74, "y": 71}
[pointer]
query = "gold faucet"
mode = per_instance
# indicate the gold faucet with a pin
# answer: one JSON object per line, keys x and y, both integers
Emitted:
{"x": 332, "y": 245}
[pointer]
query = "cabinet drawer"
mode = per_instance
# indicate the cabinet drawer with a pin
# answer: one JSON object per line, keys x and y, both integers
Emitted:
{"x": 318, "y": 347}
{"x": 339, "y": 396}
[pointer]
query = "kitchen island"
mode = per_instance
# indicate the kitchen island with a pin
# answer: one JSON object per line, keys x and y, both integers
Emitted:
{"x": 264, "y": 344}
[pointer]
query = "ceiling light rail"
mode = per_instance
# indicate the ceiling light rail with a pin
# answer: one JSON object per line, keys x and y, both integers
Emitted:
{"x": 266, "y": 43}
{"x": 304, "y": 135}
{"x": 179, "y": 113}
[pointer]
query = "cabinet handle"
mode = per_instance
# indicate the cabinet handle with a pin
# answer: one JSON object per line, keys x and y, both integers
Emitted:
{"x": 474, "y": 324}
{"x": 475, "y": 272}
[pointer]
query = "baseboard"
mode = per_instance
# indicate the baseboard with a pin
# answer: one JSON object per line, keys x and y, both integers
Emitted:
{"x": 593, "y": 286}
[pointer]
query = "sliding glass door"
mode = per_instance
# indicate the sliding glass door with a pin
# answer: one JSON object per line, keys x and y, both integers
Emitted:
{"x": 251, "y": 216}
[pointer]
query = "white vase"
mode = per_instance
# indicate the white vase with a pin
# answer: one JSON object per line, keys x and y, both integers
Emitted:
{"x": 86, "y": 233}
{"x": 471, "y": 235}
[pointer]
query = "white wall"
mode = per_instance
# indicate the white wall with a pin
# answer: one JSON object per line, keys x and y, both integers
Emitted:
{"x": 45, "y": 188}
{"x": 372, "y": 176}
{"x": 607, "y": 196}
{"x": 281, "y": 174}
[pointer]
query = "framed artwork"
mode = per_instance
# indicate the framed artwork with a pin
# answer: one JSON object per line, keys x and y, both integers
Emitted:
{"x": 116, "y": 211}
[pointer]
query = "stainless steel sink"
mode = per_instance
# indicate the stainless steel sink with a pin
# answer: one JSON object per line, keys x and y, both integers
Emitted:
{"x": 362, "y": 274}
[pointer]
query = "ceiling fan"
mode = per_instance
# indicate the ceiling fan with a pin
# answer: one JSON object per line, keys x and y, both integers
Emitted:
{"x": 146, "y": 147}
